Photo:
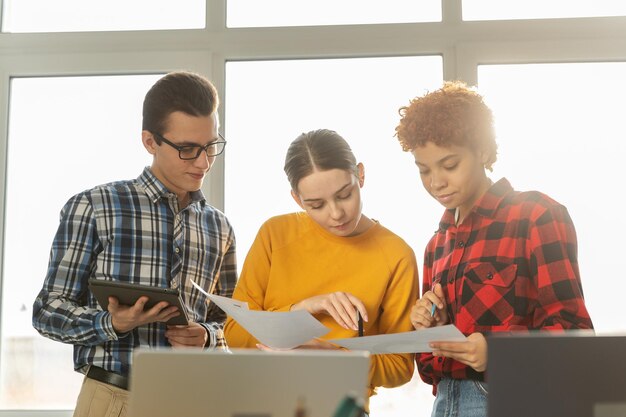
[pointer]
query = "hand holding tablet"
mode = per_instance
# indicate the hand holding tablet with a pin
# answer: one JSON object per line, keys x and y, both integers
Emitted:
{"x": 128, "y": 293}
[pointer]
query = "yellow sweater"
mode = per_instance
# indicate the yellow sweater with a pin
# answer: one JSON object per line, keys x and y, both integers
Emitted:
{"x": 293, "y": 258}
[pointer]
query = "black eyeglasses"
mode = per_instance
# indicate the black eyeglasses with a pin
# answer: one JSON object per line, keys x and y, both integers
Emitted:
{"x": 189, "y": 152}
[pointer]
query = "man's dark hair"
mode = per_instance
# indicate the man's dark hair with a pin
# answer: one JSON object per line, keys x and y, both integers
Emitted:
{"x": 181, "y": 91}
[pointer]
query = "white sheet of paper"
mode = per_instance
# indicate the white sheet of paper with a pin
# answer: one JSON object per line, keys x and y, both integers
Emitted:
{"x": 407, "y": 342}
{"x": 276, "y": 329}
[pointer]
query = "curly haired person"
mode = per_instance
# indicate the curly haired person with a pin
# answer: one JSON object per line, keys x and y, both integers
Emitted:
{"x": 501, "y": 260}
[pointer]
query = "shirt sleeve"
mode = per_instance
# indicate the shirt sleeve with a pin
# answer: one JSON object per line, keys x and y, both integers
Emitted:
{"x": 554, "y": 262}
{"x": 392, "y": 370}
{"x": 60, "y": 311}
{"x": 227, "y": 280}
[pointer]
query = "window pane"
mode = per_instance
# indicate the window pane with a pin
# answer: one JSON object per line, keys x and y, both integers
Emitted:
{"x": 540, "y": 9}
{"x": 92, "y": 15}
{"x": 66, "y": 134}
{"x": 254, "y": 13}
{"x": 560, "y": 131}
{"x": 269, "y": 103}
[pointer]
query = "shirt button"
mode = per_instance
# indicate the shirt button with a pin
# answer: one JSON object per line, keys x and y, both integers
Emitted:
{"x": 461, "y": 244}
{"x": 440, "y": 359}
{"x": 489, "y": 275}
{"x": 177, "y": 250}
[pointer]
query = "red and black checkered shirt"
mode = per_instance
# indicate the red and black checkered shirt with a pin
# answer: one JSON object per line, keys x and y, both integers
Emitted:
{"x": 511, "y": 265}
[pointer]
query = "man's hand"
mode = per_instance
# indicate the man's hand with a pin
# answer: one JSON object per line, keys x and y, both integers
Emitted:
{"x": 192, "y": 335}
{"x": 126, "y": 318}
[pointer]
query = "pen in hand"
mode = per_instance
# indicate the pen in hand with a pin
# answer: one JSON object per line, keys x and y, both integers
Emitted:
{"x": 360, "y": 322}
{"x": 433, "y": 308}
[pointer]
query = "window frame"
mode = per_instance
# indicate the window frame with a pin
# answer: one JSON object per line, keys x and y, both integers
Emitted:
{"x": 463, "y": 46}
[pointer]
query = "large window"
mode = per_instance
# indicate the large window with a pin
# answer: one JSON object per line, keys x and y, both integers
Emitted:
{"x": 359, "y": 98}
{"x": 540, "y": 9}
{"x": 70, "y": 112}
{"x": 91, "y": 15}
{"x": 560, "y": 131}
{"x": 251, "y": 13}
{"x": 66, "y": 134}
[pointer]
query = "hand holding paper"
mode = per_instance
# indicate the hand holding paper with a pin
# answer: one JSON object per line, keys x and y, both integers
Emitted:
{"x": 407, "y": 342}
{"x": 279, "y": 330}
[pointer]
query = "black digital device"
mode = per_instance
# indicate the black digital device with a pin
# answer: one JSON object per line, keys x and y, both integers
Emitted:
{"x": 128, "y": 293}
{"x": 573, "y": 373}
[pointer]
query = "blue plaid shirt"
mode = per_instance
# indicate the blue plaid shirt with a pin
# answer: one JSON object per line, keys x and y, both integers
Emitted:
{"x": 133, "y": 231}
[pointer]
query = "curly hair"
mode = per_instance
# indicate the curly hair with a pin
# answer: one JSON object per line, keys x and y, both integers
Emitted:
{"x": 452, "y": 115}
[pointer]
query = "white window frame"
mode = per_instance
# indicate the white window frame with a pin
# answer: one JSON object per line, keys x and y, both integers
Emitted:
{"x": 463, "y": 46}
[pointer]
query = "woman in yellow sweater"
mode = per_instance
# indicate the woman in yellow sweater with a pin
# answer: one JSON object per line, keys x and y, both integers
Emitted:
{"x": 330, "y": 259}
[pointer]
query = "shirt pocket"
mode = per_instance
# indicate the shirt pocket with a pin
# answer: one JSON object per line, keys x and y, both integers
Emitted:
{"x": 488, "y": 294}
{"x": 487, "y": 273}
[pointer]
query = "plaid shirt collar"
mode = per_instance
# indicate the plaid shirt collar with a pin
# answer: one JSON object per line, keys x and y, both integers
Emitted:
{"x": 156, "y": 190}
{"x": 486, "y": 206}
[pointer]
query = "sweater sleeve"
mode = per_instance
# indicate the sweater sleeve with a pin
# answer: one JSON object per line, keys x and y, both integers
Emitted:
{"x": 424, "y": 361}
{"x": 251, "y": 288}
{"x": 391, "y": 370}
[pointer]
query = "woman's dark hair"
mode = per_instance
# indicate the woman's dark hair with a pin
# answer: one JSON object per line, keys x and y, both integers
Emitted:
{"x": 182, "y": 91}
{"x": 317, "y": 150}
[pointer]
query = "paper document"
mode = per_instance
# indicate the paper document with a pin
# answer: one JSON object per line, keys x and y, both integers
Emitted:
{"x": 407, "y": 342}
{"x": 280, "y": 330}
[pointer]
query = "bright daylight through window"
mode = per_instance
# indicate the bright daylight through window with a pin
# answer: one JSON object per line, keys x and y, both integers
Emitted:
{"x": 84, "y": 156}
{"x": 254, "y": 13}
{"x": 23, "y": 16}
{"x": 70, "y": 118}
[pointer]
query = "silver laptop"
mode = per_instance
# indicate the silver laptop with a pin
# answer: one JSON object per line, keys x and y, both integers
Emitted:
{"x": 244, "y": 383}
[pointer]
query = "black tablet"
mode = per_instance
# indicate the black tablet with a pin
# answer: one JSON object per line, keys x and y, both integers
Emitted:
{"x": 128, "y": 293}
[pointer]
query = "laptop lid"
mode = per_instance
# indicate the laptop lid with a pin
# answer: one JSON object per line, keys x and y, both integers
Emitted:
{"x": 573, "y": 374}
{"x": 244, "y": 383}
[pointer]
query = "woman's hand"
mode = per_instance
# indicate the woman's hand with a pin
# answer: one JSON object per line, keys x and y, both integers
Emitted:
{"x": 341, "y": 306}
{"x": 421, "y": 312}
{"x": 472, "y": 352}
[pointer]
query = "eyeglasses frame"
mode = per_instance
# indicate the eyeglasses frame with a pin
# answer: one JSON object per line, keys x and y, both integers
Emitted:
{"x": 201, "y": 149}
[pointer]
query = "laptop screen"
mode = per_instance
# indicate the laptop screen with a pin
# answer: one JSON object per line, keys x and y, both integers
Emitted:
{"x": 573, "y": 374}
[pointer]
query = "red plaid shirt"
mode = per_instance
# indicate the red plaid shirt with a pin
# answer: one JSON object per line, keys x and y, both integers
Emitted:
{"x": 511, "y": 265}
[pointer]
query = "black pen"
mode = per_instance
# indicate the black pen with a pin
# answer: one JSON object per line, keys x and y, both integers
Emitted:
{"x": 360, "y": 322}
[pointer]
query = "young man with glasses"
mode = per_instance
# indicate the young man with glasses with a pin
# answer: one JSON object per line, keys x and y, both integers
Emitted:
{"x": 156, "y": 230}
